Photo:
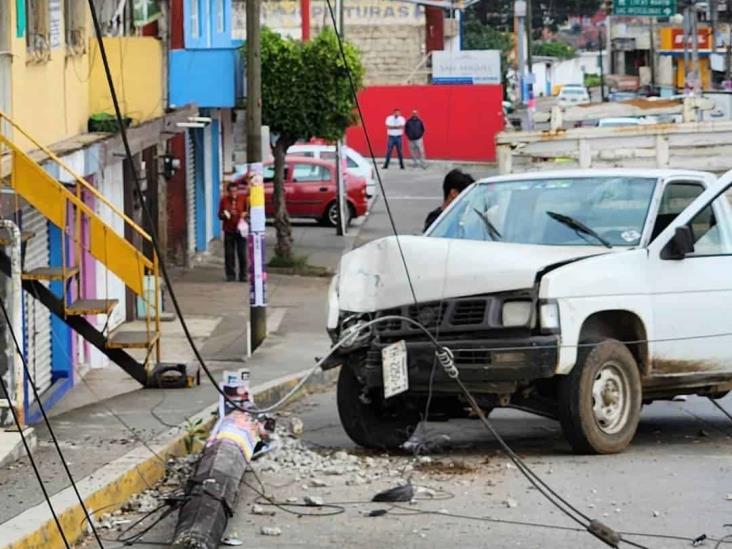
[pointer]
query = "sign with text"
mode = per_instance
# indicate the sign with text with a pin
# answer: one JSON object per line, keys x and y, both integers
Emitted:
{"x": 673, "y": 39}
{"x": 466, "y": 67}
{"x": 283, "y": 16}
{"x": 646, "y": 8}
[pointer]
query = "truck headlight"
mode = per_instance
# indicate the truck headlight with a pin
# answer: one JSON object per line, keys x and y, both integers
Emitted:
{"x": 333, "y": 305}
{"x": 549, "y": 316}
{"x": 516, "y": 313}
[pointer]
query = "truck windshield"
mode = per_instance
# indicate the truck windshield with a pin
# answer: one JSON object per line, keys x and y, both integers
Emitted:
{"x": 535, "y": 211}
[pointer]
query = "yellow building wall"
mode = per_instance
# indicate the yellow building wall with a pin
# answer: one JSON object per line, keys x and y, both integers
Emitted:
{"x": 136, "y": 64}
{"x": 50, "y": 100}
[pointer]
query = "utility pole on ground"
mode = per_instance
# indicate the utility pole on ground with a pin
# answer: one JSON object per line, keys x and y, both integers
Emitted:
{"x": 257, "y": 266}
{"x": 342, "y": 207}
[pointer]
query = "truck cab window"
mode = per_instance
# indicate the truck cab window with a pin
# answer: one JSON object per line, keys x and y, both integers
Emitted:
{"x": 674, "y": 200}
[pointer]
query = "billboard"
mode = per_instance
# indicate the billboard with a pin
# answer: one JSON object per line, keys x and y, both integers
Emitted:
{"x": 466, "y": 67}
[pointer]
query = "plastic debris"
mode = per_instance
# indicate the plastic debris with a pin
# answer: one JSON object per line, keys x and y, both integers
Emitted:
{"x": 270, "y": 531}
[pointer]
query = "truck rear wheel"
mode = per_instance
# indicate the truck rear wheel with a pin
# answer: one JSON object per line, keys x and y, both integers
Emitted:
{"x": 600, "y": 400}
{"x": 370, "y": 424}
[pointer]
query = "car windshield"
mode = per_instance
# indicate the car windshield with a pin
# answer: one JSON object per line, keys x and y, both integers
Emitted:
{"x": 586, "y": 211}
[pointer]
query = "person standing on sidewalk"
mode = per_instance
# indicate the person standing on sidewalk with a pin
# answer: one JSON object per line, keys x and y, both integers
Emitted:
{"x": 233, "y": 214}
{"x": 394, "y": 131}
{"x": 414, "y": 129}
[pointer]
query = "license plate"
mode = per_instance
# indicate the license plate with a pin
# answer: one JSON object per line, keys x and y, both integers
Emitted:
{"x": 394, "y": 365}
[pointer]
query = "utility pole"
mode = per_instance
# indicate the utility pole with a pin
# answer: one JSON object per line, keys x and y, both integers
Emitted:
{"x": 305, "y": 19}
{"x": 695, "y": 49}
{"x": 519, "y": 25}
{"x": 343, "y": 214}
{"x": 601, "y": 65}
{"x": 257, "y": 268}
{"x": 652, "y": 52}
{"x": 531, "y": 100}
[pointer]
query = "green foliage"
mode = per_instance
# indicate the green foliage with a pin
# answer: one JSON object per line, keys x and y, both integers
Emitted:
{"x": 592, "y": 80}
{"x": 553, "y": 48}
{"x": 195, "y": 434}
{"x": 305, "y": 88}
{"x": 499, "y": 13}
{"x": 482, "y": 37}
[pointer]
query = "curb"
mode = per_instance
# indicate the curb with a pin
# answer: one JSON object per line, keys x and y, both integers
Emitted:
{"x": 114, "y": 484}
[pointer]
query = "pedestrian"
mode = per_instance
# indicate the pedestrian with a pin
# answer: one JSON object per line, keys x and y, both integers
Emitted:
{"x": 233, "y": 214}
{"x": 456, "y": 181}
{"x": 394, "y": 130}
{"x": 414, "y": 129}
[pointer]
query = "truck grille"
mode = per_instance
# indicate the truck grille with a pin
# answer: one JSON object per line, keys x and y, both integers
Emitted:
{"x": 469, "y": 312}
{"x": 457, "y": 317}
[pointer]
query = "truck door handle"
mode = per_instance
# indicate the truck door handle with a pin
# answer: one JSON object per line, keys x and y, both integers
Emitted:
{"x": 323, "y": 189}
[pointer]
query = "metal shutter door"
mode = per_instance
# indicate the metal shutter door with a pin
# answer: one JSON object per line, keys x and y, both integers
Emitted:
{"x": 190, "y": 193}
{"x": 37, "y": 317}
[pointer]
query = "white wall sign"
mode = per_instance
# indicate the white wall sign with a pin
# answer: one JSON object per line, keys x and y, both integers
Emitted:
{"x": 54, "y": 23}
{"x": 466, "y": 67}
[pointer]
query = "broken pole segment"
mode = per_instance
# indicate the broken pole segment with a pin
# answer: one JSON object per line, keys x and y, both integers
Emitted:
{"x": 213, "y": 490}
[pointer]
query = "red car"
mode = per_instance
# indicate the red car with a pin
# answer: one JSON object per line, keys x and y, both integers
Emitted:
{"x": 310, "y": 190}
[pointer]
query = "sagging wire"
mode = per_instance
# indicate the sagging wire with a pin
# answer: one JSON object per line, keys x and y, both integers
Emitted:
{"x": 354, "y": 94}
{"x": 51, "y": 432}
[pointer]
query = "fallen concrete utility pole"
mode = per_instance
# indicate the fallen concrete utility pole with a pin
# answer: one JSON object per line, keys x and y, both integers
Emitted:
{"x": 214, "y": 489}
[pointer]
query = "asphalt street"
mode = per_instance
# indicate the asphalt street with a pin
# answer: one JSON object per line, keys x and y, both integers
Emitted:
{"x": 675, "y": 479}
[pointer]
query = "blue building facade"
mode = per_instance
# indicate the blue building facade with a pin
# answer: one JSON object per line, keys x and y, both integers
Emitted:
{"x": 205, "y": 69}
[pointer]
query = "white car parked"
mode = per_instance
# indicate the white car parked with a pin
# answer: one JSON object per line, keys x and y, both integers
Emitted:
{"x": 573, "y": 94}
{"x": 355, "y": 163}
{"x": 576, "y": 295}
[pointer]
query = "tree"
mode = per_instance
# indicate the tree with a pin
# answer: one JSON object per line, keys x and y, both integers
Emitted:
{"x": 306, "y": 93}
{"x": 482, "y": 37}
{"x": 553, "y": 48}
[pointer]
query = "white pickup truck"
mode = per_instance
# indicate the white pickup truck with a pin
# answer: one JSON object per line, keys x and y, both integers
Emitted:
{"x": 576, "y": 295}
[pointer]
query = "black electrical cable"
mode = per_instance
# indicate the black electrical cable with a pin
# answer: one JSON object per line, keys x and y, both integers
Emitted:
{"x": 36, "y": 472}
{"x": 720, "y": 407}
{"x": 354, "y": 93}
{"x": 51, "y": 432}
{"x": 146, "y": 209}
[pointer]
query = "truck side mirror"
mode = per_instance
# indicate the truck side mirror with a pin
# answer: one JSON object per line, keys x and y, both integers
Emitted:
{"x": 680, "y": 245}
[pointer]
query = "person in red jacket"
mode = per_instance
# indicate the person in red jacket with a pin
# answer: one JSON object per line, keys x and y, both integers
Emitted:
{"x": 233, "y": 209}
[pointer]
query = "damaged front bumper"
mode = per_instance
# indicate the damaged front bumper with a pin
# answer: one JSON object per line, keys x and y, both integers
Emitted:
{"x": 487, "y": 366}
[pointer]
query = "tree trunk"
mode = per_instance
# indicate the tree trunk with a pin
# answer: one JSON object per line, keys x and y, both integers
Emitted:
{"x": 283, "y": 248}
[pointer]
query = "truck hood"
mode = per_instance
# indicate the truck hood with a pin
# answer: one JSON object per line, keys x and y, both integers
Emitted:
{"x": 372, "y": 277}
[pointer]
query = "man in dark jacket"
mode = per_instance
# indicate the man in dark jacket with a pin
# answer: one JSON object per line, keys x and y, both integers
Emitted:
{"x": 414, "y": 129}
{"x": 456, "y": 181}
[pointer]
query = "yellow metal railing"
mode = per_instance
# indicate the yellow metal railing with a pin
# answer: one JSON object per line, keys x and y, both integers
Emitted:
{"x": 52, "y": 199}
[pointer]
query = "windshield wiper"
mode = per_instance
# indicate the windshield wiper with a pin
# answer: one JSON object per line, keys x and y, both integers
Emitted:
{"x": 579, "y": 227}
{"x": 492, "y": 231}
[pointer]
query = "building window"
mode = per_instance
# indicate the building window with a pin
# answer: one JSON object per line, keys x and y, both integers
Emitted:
{"x": 220, "y": 17}
{"x": 195, "y": 19}
{"x": 75, "y": 26}
{"x": 37, "y": 36}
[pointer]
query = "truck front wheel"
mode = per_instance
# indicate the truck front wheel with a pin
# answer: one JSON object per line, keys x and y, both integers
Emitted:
{"x": 600, "y": 400}
{"x": 366, "y": 420}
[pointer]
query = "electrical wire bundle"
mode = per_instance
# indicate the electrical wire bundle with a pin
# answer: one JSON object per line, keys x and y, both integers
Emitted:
{"x": 443, "y": 356}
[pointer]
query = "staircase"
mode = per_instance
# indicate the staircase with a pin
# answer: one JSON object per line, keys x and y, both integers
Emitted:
{"x": 64, "y": 207}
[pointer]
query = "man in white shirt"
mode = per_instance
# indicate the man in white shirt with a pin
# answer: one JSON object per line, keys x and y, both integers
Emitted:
{"x": 394, "y": 129}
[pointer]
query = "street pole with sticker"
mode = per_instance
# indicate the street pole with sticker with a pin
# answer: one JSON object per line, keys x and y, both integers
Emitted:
{"x": 257, "y": 266}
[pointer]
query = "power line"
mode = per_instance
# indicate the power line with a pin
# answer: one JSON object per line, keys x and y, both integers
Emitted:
{"x": 51, "y": 432}
{"x": 36, "y": 472}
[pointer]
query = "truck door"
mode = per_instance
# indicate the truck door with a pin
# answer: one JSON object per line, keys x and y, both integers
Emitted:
{"x": 692, "y": 295}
